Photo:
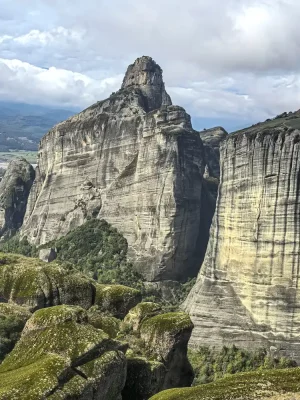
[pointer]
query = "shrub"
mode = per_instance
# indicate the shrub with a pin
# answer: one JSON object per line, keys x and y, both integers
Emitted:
{"x": 210, "y": 365}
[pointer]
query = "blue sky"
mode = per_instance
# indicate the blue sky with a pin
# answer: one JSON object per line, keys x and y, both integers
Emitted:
{"x": 229, "y": 63}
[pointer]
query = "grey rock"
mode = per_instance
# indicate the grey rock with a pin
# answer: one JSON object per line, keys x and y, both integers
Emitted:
{"x": 47, "y": 255}
{"x": 133, "y": 160}
{"x": 212, "y": 138}
{"x": 167, "y": 337}
{"x": 14, "y": 191}
{"x": 247, "y": 290}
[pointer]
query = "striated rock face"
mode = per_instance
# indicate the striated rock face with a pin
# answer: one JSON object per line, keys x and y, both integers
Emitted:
{"x": 247, "y": 291}
{"x": 212, "y": 138}
{"x": 14, "y": 191}
{"x": 133, "y": 160}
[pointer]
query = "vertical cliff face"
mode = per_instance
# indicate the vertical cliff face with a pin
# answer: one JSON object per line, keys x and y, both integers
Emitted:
{"x": 14, "y": 192}
{"x": 212, "y": 139}
{"x": 247, "y": 291}
{"x": 133, "y": 160}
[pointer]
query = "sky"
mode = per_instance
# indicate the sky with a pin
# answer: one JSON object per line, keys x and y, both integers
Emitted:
{"x": 227, "y": 62}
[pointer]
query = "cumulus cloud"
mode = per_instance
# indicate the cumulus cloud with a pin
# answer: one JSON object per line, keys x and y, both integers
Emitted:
{"x": 236, "y": 59}
{"x": 20, "y": 81}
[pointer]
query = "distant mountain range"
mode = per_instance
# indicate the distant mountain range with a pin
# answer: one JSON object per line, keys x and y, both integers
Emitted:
{"x": 22, "y": 125}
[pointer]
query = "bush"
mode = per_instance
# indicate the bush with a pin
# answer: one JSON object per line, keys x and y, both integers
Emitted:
{"x": 100, "y": 251}
{"x": 15, "y": 245}
{"x": 10, "y": 332}
{"x": 210, "y": 365}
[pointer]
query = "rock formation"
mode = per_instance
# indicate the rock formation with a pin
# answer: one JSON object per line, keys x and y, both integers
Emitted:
{"x": 60, "y": 356}
{"x": 34, "y": 284}
{"x": 133, "y": 160}
{"x": 247, "y": 291}
{"x": 212, "y": 139}
{"x": 14, "y": 191}
{"x": 262, "y": 385}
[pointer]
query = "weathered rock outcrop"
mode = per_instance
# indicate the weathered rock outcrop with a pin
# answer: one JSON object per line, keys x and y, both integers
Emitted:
{"x": 14, "y": 191}
{"x": 60, "y": 356}
{"x": 167, "y": 337}
{"x": 133, "y": 160}
{"x": 212, "y": 139}
{"x": 263, "y": 385}
{"x": 247, "y": 291}
{"x": 32, "y": 283}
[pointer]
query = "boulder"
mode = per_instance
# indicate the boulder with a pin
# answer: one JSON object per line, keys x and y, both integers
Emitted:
{"x": 116, "y": 300}
{"x": 144, "y": 378}
{"x": 166, "y": 337}
{"x": 61, "y": 356}
{"x": 140, "y": 313}
{"x": 110, "y": 325}
{"x": 47, "y": 255}
{"x": 32, "y": 283}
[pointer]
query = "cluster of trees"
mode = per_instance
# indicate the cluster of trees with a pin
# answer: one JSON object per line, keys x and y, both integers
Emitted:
{"x": 94, "y": 248}
{"x": 210, "y": 365}
{"x": 10, "y": 332}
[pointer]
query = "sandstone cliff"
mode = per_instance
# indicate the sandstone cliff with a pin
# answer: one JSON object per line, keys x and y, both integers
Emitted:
{"x": 212, "y": 139}
{"x": 14, "y": 191}
{"x": 247, "y": 291}
{"x": 133, "y": 160}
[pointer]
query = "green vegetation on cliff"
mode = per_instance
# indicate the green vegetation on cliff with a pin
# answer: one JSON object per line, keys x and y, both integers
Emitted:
{"x": 250, "y": 386}
{"x": 210, "y": 365}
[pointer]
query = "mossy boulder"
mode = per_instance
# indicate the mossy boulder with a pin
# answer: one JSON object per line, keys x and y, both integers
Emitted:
{"x": 116, "y": 300}
{"x": 144, "y": 379}
{"x": 12, "y": 322}
{"x": 30, "y": 282}
{"x": 140, "y": 313}
{"x": 167, "y": 337}
{"x": 273, "y": 384}
{"x": 108, "y": 324}
{"x": 61, "y": 356}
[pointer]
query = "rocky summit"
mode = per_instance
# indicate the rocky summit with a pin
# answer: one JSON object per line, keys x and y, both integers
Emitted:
{"x": 247, "y": 291}
{"x": 133, "y": 160}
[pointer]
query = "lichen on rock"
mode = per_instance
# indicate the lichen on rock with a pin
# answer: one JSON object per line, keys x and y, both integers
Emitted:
{"x": 140, "y": 313}
{"x": 116, "y": 299}
{"x": 32, "y": 283}
{"x": 61, "y": 355}
{"x": 167, "y": 337}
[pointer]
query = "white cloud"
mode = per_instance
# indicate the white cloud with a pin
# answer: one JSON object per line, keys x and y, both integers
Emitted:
{"x": 234, "y": 59}
{"x": 21, "y": 81}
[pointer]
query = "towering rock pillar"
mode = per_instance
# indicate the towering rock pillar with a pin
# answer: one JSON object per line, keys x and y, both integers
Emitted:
{"x": 14, "y": 192}
{"x": 133, "y": 160}
{"x": 247, "y": 292}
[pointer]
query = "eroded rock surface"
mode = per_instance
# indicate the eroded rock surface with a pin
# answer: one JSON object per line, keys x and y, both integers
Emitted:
{"x": 14, "y": 191}
{"x": 212, "y": 139}
{"x": 133, "y": 160}
{"x": 247, "y": 291}
{"x": 167, "y": 337}
{"x": 32, "y": 283}
{"x": 61, "y": 356}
